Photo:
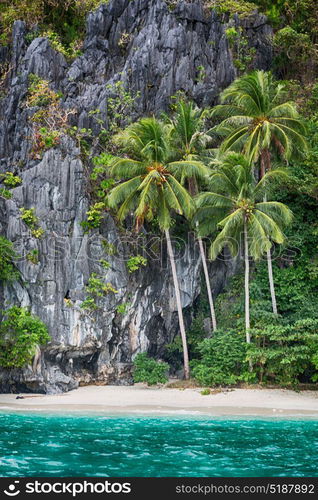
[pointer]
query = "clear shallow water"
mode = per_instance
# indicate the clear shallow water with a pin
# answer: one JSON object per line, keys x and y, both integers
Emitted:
{"x": 51, "y": 445}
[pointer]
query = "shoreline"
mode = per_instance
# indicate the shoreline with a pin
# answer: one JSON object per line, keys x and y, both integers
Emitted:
{"x": 140, "y": 400}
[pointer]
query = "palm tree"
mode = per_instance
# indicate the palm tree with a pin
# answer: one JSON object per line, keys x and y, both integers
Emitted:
{"x": 152, "y": 189}
{"x": 258, "y": 122}
{"x": 235, "y": 205}
{"x": 190, "y": 142}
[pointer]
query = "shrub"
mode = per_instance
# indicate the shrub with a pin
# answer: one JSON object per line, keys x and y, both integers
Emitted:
{"x": 31, "y": 220}
{"x": 95, "y": 215}
{"x": 293, "y": 52}
{"x": 65, "y": 18}
{"x": 20, "y": 334}
{"x": 10, "y": 180}
{"x": 222, "y": 359}
{"x": 48, "y": 118}
{"x": 33, "y": 256}
{"x": 282, "y": 353}
{"x": 149, "y": 370}
{"x": 135, "y": 263}
{"x": 122, "y": 308}
{"x": 8, "y": 272}
{"x": 240, "y": 7}
{"x": 96, "y": 288}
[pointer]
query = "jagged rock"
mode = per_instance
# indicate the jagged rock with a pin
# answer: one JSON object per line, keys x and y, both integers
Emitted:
{"x": 164, "y": 52}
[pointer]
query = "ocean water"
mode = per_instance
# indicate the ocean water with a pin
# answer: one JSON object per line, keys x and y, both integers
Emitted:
{"x": 77, "y": 445}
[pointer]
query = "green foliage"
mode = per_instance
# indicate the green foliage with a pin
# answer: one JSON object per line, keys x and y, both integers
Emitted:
{"x": 20, "y": 335}
{"x": 235, "y": 204}
{"x": 109, "y": 248}
{"x": 95, "y": 216}
{"x": 28, "y": 216}
{"x": 48, "y": 119}
{"x": 243, "y": 54}
{"x": 31, "y": 220}
{"x": 205, "y": 392}
{"x": 124, "y": 40}
{"x": 171, "y": 4}
{"x": 10, "y": 180}
{"x": 257, "y": 119}
{"x": 69, "y": 52}
{"x": 201, "y": 74}
{"x": 62, "y": 20}
{"x": 5, "y": 194}
{"x": 294, "y": 51}
{"x": 120, "y": 106}
{"x": 240, "y": 7}
{"x": 281, "y": 354}
{"x": 89, "y": 304}
{"x": 301, "y": 15}
{"x": 135, "y": 263}
{"x": 100, "y": 180}
{"x": 195, "y": 335}
{"x": 122, "y": 308}
{"x": 151, "y": 187}
{"x": 222, "y": 359}
{"x": 8, "y": 271}
{"x": 96, "y": 288}
{"x": 149, "y": 370}
{"x": 84, "y": 138}
{"x": 105, "y": 263}
{"x": 231, "y": 35}
{"x": 39, "y": 93}
{"x": 33, "y": 256}
{"x": 46, "y": 139}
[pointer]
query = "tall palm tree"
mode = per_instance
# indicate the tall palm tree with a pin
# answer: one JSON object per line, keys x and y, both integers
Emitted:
{"x": 190, "y": 142}
{"x": 235, "y": 205}
{"x": 152, "y": 189}
{"x": 258, "y": 121}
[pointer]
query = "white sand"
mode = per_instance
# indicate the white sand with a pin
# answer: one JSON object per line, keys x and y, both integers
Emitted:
{"x": 140, "y": 399}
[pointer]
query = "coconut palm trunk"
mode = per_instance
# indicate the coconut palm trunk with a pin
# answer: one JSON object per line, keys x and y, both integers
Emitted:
{"x": 179, "y": 306}
{"x": 247, "y": 285}
{"x": 208, "y": 285}
{"x": 265, "y": 167}
{"x": 271, "y": 281}
{"x": 193, "y": 190}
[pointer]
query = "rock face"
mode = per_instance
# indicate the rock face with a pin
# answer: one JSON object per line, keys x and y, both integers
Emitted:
{"x": 155, "y": 52}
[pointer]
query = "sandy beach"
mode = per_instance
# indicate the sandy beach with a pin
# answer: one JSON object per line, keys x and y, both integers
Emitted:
{"x": 140, "y": 399}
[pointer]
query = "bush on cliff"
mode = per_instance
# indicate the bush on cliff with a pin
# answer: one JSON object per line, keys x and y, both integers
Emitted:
{"x": 20, "y": 335}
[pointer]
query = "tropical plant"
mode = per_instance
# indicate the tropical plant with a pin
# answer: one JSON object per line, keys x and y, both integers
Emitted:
{"x": 149, "y": 370}
{"x": 222, "y": 359}
{"x": 21, "y": 334}
{"x": 135, "y": 262}
{"x": 282, "y": 353}
{"x": 8, "y": 271}
{"x": 235, "y": 205}
{"x": 152, "y": 189}
{"x": 190, "y": 142}
{"x": 257, "y": 121}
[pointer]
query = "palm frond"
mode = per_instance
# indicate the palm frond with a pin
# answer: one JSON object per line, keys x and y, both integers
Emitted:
{"x": 124, "y": 168}
{"x": 232, "y": 225}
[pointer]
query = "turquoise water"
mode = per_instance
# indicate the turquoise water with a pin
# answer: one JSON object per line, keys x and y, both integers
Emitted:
{"x": 51, "y": 445}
